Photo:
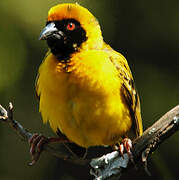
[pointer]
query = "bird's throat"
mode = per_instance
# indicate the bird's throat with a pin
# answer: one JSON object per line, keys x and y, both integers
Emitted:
{"x": 61, "y": 50}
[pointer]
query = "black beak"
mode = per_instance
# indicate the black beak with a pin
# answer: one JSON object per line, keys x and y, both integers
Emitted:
{"x": 50, "y": 31}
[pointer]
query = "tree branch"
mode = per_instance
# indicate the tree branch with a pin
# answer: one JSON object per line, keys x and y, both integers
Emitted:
{"x": 112, "y": 165}
{"x": 7, "y": 116}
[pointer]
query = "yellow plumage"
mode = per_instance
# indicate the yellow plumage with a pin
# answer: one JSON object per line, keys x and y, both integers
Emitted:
{"x": 90, "y": 97}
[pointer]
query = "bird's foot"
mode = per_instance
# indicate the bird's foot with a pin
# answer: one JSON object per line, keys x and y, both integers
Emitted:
{"x": 125, "y": 146}
{"x": 37, "y": 142}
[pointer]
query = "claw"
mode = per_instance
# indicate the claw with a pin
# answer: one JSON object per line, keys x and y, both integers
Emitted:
{"x": 37, "y": 142}
{"x": 125, "y": 146}
{"x": 121, "y": 149}
{"x": 128, "y": 146}
{"x": 41, "y": 142}
{"x": 35, "y": 158}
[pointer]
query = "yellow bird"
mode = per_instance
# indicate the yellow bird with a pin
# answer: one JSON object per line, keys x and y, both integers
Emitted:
{"x": 86, "y": 89}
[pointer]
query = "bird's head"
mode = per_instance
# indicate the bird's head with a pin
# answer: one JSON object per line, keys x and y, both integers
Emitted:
{"x": 70, "y": 28}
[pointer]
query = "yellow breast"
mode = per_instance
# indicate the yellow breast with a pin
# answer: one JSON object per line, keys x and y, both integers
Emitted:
{"x": 82, "y": 98}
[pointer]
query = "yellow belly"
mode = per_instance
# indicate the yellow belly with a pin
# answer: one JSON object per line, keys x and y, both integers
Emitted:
{"x": 83, "y": 99}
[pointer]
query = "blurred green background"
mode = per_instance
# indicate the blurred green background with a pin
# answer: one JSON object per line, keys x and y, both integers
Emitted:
{"x": 145, "y": 32}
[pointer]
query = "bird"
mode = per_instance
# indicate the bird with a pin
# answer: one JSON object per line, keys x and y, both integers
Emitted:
{"x": 85, "y": 88}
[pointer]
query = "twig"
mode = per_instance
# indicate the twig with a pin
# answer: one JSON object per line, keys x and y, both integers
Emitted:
{"x": 112, "y": 165}
{"x": 7, "y": 116}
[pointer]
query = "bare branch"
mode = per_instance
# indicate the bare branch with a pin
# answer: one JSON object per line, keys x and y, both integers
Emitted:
{"x": 112, "y": 165}
{"x": 7, "y": 116}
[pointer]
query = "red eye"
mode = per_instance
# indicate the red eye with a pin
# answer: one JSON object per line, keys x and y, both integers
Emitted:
{"x": 71, "y": 26}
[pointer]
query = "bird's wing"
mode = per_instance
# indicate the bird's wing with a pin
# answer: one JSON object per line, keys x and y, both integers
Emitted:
{"x": 128, "y": 91}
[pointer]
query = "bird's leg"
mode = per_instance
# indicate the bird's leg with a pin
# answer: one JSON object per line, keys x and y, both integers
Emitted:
{"x": 37, "y": 141}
